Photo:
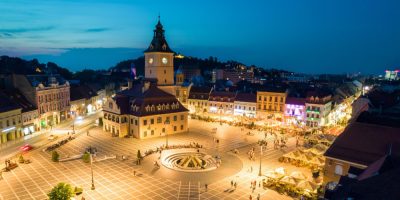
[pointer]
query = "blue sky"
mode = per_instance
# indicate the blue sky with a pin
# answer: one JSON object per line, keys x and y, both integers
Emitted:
{"x": 311, "y": 36}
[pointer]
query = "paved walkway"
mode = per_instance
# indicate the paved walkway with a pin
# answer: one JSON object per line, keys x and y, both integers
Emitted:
{"x": 114, "y": 178}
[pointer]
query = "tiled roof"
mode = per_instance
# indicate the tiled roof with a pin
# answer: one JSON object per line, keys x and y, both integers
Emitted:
{"x": 222, "y": 96}
{"x": 6, "y": 104}
{"x": 81, "y": 92}
{"x": 246, "y": 97}
{"x": 201, "y": 93}
{"x": 363, "y": 143}
{"x": 152, "y": 101}
{"x": 295, "y": 101}
{"x": 16, "y": 97}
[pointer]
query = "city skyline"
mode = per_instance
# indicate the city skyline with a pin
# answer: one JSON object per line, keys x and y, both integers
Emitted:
{"x": 309, "y": 37}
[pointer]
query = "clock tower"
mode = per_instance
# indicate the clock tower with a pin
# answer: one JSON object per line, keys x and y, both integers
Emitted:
{"x": 159, "y": 63}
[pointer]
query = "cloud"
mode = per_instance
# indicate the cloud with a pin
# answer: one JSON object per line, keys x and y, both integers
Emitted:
{"x": 25, "y": 30}
{"x": 96, "y": 30}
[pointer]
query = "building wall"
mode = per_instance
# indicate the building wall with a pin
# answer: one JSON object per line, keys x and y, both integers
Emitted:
{"x": 221, "y": 107}
{"x": 155, "y": 68}
{"x": 333, "y": 167}
{"x": 10, "y": 125}
{"x": 271, "y": 103}
{"x": 317, "y": 114}
{"x": 53, "y": 104}
{"x": 298, "y": 112}
{"x": 197, "y": 106}
{"x": 247, "y": 109}
{"x": 30, "y": 122}
{"x": 156, "y": 126}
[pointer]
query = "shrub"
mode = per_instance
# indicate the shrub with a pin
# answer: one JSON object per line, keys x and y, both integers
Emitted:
{"x": 55, "y": 156}
{"x": 61, "y": 191}
{"x": 21, "y": 159}
{"x": 86, "y": 157}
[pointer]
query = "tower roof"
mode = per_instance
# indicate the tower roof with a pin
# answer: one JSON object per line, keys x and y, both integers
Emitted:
{"x": 159, "y": 43}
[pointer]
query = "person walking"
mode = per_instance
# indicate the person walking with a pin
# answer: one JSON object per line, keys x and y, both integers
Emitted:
{"x": 258, "y": 196}
{"x": 235, "y": 185}
{"x": 250, "y": 197}
{"x": 231, "y": 184}
{"x": 206, "y": 187}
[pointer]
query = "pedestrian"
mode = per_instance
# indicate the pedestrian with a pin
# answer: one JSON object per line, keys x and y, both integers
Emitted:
{"x": 250, "y": 197}
{"x": 134, "y": 172}
{"x": 87, "y": 133}
{"x": 259, "y": 184}
{"x": 251, "y": 169}
{"x": 258, "y": 196}
{"x": 206, "y": 187}
{"x": 231, "y": 183}
{"x": 235, "y": 185}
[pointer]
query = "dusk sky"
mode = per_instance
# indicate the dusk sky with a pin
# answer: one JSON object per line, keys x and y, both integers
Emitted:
{"x": 311, "y": 36}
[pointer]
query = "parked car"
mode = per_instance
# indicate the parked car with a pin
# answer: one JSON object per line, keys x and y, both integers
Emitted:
{"x": 26, "y": 147}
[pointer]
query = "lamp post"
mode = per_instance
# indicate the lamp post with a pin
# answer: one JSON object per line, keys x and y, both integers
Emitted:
{"x": 91, "y": 169}
{"x": 262, "y": 143}
{"x": 166, "y": 132}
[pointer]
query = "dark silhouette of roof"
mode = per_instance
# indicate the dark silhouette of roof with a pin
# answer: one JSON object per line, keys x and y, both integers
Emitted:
{"x": 6, "y": 104}
{"x": 81, "y": 92}
{"x": 363, "y": 143}
{"x": 143, "y": 102}
{"x": 246, "y": 97}
{"x": 381, "y": 180}
{"x": 222, "y": 96}
{"x": 201, "y": 93}
{"x": 159, "y": 43}
{"x": 19, "y": 99}
{"x": 295, "y": 101}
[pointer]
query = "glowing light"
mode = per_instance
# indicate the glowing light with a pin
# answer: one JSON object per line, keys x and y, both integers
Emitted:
{"x": 8, "y": 129}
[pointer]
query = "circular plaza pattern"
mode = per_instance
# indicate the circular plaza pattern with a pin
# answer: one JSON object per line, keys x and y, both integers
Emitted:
{"x": 188, "y": 160}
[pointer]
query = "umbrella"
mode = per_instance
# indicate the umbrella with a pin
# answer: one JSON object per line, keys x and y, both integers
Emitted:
{"x": 273, "y": 175}
{"x": 298, "y": 175}
{"x": 289, "y": 180}
{"x": 307, "y": 185}
{"x": 290, "y": 155}
{"x": 280, "y": 170}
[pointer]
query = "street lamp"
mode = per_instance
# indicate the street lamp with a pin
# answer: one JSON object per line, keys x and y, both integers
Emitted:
{"x": 166, "y": 132}
{"x": 91, "y": 169}
{"x": 262, "y": 143}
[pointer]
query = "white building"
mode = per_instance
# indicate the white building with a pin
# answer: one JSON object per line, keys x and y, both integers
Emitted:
{"x": 245, "y": 105}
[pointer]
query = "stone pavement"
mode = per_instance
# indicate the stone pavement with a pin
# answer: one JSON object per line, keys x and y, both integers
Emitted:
{"x": 114, "y": 178}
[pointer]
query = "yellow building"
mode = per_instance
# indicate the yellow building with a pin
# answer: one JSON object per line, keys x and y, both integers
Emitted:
{"x": 271, "y": 102}
{"x": 10, "y": 119}
{"x": 144, "y": 111}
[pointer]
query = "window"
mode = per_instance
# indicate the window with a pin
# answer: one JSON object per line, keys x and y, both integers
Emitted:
{"x": 151, "y": 121}
{"x": 181, "y": 127}
{"x": 163, "y": 130}
{"x": 339, "y": 170}
{"x": 159, "y": 119}
{"x": 276, "y": 99}
{"x": 145, "y": 122}
{"x": 131, "y": 121}
{"x": 136, "y": 122}
{"x": 174, "y": 128}
{"x": 175, "y": 117}
{"x": 182, "y": 117}
{"x": 259, "y": 98}
{"x": 165, "y": 71}
{"x": 145, "y": 134}
{"x": 152, "y": 132}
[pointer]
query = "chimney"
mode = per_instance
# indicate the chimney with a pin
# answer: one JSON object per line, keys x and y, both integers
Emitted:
{"x": 130, "y": 83}
{"x": 146, "y": 86}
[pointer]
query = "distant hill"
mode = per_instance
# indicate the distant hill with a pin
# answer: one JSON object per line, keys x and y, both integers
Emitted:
{"x": 20, "y": 66}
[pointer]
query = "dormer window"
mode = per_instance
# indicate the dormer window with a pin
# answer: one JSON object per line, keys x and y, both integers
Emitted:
{"x": 164, "y": 47}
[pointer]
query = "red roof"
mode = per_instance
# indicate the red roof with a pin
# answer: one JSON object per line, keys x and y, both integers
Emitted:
{"x": 363, "y": 143}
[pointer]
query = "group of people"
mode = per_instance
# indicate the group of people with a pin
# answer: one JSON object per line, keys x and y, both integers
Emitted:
{"x": 178, "y": 146}
{"x": 251, "y": 154}
{"x": 280, "y": 143}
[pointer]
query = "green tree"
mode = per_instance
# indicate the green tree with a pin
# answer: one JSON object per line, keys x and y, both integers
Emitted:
{"x": 55, "y": 156}
{"x": 61, "y": 191}
{"x": 86, "y": 157}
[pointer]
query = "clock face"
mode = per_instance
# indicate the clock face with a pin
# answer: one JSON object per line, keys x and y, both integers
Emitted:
{"x": 151, "y": 60}
{"x": 164, "y": 60}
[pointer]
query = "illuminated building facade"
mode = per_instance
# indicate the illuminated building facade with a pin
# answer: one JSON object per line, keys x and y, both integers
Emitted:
{"x": 245, "y": 105}
{"x": 144, "y": 111}
{"x": 295, "y": 109}
{"x": 318, "y": 107}
{"x": 271, "y": 102}
{"x": 221, "y": 102}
